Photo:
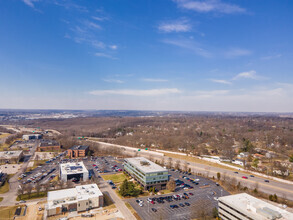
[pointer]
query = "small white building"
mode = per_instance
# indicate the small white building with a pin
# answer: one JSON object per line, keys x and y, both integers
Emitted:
{"x": 80, "y": 198}
{"x": 245, "y": 207}
{"x": 31, "y": 136}
{"x": 73, "y": 170}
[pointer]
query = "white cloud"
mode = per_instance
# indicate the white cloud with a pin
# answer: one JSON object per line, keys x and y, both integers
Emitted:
{"x": 92, "y": 25}
{"x": 154, "y": 80}
{"x": 181, "y": 25}
{"x": 209, "y": 6}
{"x": 30, "y": 3}
{"x": 237, "y": 52}
{"x": 105, "y": 55}
{"x": 222, "y": 81}
{"x": 113, "y": 47}
{"x": 150, "y": 92}
{"x": 271, "y": 57}
{"x": 113, "y": 80}
{"x": 188, "y": 44}
{"x": 249, "y": 75}
{"x": 100, "y": 18}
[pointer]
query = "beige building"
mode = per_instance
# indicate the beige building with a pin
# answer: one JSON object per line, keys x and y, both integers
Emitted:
{"x": 11, "y": 156}
{"x": 80, "y": 198}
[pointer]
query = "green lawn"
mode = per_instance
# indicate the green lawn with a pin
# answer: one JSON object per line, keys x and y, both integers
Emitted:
{"x": 116, "y": 178}
{"x": 4, "y": 188}
{"x": 32, "y": 196}
{"x": 7, "y": 212}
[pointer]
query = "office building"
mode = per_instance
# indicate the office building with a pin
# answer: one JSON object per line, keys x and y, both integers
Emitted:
{"x": 244, "y": 206}
{"x": 31, "y": 136}
{"x": 147, "y": 173}
{"x": 78, "y": 151}
{"x": 11, "y": 156}
{"x": 81, "y": 198}
{"x": 48, "y": 145}
{"x": 77, "y": 171}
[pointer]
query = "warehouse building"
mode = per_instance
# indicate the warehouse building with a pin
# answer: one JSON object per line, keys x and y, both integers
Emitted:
{"x": 244, "y": 206}
{"x": 147, "y": 173}
{"x": 77, "y": 171}
{"x": 78, "y": 151}
{"x": 31, "y": 136}
{"x": 80, "y": 198}
{"x": 11, "y": 156}
{"x": 49, "y": 145}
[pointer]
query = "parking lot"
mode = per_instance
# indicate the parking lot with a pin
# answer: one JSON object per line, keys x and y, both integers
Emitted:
{"x": 205, "y": 189}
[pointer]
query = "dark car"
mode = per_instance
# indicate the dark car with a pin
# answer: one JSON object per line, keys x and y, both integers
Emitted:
{"x": 251, "y": 176}
{"x": 236, "y": 172}
{"x": 267, "y": 181}
{"x": 154, "y": 210}
{"x": 187, "y": 204}
{"x": 181, "y": 204}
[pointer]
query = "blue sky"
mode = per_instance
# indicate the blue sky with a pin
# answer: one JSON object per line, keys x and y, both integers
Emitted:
{"x": 209, "y": 55}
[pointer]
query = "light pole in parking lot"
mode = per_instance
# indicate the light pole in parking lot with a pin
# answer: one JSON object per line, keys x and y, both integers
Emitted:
{"x": 221, "y": 192}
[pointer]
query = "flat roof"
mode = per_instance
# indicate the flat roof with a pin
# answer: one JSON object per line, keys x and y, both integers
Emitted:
{"x": 73, "y": 168}
{"x": 255, "y": 207}
{"x": 10, "y": 154}
{"x": 47, "y": 143}
{"x": 79, "y": 147}
{"x": 145, "y": 165}
{"x": 73, "y": 195}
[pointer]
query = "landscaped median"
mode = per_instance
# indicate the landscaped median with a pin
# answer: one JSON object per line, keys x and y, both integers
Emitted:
{"x": 31, "y": 196}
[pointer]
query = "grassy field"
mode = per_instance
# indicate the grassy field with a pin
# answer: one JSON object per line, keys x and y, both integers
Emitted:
{"x": 196, "y": 160}
{"x": 165, "y": 191}
{"x": 1, "y": 199}
{"x": 7, "y": 212}
{"x": 32, "y": 196}
{"x": 116, "y": 178}
{"x": 3, "y": 135}
{"x": 133, "y": 211}
{"x": 4, "y": 188}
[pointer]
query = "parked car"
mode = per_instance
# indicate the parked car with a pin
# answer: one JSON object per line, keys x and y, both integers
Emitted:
{"x": 154, "y": 210}
{"x": 244, "y": 177}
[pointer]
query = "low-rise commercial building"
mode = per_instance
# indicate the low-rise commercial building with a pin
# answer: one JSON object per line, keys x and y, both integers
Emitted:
{"x": 31, "y": 136}
{"x": 147, "y": 173}
{"x": 11, "y": 156}
{"x": 73, "y": 170}
{"x": 81, "y": 198}
{"x": 78, "y": 151}
{"x": 246, "y": 207}
{"x": 49, "y": 145}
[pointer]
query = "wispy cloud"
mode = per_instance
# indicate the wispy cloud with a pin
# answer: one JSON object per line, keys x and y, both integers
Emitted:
{"x": 105, "y": 56}
{"x": 134, "y": 92}
{"x": 68, "y": 4}
{"x": 154, "y": 80}
{"x": 92, "y": 25}
{"x": 237, "y": 52}
{"x": 113, "y": 81}
{"x": 30, "y": 3}
{"x": 271, "y": 57}
{"x": 181, "y": 25}
{"x": 188, "y": 44}
{"x": 221, "y": 81}
{"x": 249, "y": 75}
{"x": 100, "y": 18}
{"x": 209, "y": 6}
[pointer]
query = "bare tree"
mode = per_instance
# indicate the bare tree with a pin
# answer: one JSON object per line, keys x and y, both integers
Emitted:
{"x": 29, "y": 189}
{"x": 171, "y": 185}
{"x": 38, "y": 187}
{"x": 177, "y": 165}
{"x": 201, "y": 209}
{"x": 169, "y": 164}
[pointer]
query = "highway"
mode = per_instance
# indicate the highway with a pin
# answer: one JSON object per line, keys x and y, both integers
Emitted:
{"x": 281, "y": 189}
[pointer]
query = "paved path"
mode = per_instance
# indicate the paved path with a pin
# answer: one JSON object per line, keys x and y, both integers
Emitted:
{"x": 104, "y": 187}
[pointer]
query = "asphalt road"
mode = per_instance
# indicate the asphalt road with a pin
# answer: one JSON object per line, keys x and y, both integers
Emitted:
{"x": 280, "y": 188}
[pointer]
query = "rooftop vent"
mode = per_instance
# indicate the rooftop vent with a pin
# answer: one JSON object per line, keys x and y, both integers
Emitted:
{"x": 144, "y": 163}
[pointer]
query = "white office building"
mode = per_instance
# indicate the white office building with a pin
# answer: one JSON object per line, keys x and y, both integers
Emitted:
{"x": 243, "y": 207}
{"x": 80, "y": 198}
{"x": 73, "y": 170}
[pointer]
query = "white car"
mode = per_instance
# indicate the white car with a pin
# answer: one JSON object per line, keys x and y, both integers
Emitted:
{"x": 140, "y": 204}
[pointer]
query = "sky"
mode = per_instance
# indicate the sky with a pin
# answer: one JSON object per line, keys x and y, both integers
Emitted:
{"x": 183, "y": 55}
